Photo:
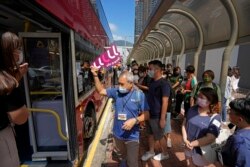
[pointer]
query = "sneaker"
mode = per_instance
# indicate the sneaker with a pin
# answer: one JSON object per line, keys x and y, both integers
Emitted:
{"x": 161, "y": 156}
{"x": 169, "y": 143}
{"x": 224, "y": 122}
{"x": 147, "y": 156}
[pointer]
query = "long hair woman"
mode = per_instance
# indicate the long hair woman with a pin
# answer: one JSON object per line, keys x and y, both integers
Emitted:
{"x": 13, "y": 110}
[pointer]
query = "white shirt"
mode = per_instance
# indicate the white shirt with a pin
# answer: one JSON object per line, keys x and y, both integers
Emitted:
{"x": 235, "y": 82}
{"x": 228, "y": 89}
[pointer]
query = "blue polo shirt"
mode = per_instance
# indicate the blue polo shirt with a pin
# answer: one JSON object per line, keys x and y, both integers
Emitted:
{"x": 128, "y": 104}
{"x": 237, "y": 149}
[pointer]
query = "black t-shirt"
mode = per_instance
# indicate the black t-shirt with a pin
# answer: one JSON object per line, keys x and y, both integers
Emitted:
{"x": 9, "y": 103}
{"x": 146, "y": 82}
{"x": 157, "y": 90}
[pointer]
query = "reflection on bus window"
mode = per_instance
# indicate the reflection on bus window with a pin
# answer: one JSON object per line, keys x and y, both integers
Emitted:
{"x": 44, "y": 76}
{"x": 85, "y": 80}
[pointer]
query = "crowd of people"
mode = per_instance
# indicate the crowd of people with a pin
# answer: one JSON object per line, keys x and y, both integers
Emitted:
{"x": 145, "y": 96}
{"x": 154, "y": 93}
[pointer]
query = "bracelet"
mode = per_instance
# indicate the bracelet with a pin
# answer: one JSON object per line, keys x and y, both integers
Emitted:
{"x": 95, "y": 75}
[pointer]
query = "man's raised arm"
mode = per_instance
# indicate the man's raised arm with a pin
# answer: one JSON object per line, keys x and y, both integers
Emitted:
{"x": 99, "y": 87}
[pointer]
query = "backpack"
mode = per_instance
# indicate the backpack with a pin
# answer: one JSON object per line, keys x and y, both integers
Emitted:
{"x": 199, "y": 86}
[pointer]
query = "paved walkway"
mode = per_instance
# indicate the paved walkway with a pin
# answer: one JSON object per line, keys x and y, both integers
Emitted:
{"x": 176, "y": 152}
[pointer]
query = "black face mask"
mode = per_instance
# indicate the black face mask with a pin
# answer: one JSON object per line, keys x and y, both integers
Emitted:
{"x": 176, "y": 73}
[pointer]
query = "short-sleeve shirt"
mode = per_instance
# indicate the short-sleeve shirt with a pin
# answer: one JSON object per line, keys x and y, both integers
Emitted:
{"x": 130, "y": 104}
{"x": 146, "y": 82}
{"x": 157, "y": 89}
{"x": 10, "y": 103}
{"x": 210, "y": 85}
{"x": 198, "y": 126}
{"x": 189, "y": 85}
{"x": 168, "y": 74}
{"x": 174, "y": 79}
{"x": 237, "y": 149}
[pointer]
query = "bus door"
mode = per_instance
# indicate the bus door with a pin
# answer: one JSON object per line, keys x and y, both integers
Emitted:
{"x": 45, "y": 97}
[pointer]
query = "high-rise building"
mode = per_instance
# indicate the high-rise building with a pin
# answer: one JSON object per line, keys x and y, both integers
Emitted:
{"x": 143, "y": 10}
{"x": 139, "y": 4}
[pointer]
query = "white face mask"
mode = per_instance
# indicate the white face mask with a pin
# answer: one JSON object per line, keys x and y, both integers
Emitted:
{"x": 202, "y": 102}
{"x": 141, "y": 74}
{"x": 20, "y": 60}
{"x": 136, "y": 78}
{"x": 151, "y": 73}
{"x": 123, "y": 90}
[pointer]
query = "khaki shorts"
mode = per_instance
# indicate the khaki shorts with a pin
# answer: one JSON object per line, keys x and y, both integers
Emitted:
{"x": 128, "y": 150}
{"x": 8, "y": 150}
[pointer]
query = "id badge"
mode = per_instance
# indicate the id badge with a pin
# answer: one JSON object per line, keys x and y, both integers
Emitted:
{"x": 122, "y": 117}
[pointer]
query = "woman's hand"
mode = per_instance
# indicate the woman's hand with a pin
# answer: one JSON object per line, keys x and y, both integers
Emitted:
{"x": 183, "y": 91}
{"x": 22, "y": 70}
{"x": 19, "y": 116}
{"x": 188, "y": 145}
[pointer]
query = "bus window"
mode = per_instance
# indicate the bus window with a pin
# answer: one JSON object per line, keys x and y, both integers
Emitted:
{"x": 85, "y": 80}
{"x": 44, "y": 67}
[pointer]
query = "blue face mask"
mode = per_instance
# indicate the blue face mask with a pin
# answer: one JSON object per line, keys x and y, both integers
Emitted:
{"x": 151, "y": 73}
{"x": 123, "y": 90}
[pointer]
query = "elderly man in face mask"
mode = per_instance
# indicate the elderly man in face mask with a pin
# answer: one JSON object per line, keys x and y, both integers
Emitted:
{"x": 129, "y": 102}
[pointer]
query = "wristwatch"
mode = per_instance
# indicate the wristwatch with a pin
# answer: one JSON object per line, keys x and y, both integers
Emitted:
{"x": 137, "y": 121}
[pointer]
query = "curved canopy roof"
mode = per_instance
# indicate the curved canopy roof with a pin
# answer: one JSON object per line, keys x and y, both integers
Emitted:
{"x": 192, "y": 17}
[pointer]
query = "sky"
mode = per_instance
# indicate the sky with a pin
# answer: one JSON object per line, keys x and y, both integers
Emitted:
{"x": 121, "y": 18}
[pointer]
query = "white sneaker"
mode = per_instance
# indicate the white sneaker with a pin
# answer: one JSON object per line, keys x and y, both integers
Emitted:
{"x": 169, "y": 143}
{"x": 161, "y": 156}
{"x": 147, "y": 156}
{"x": 224, "y": 123}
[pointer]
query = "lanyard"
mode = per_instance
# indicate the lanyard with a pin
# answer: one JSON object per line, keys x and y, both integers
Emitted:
{"x": 124, "y": 104}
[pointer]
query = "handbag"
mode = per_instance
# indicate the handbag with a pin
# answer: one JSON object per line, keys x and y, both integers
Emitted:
{"x": 210, "y": 151}
{"x": 7, "y": 83}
